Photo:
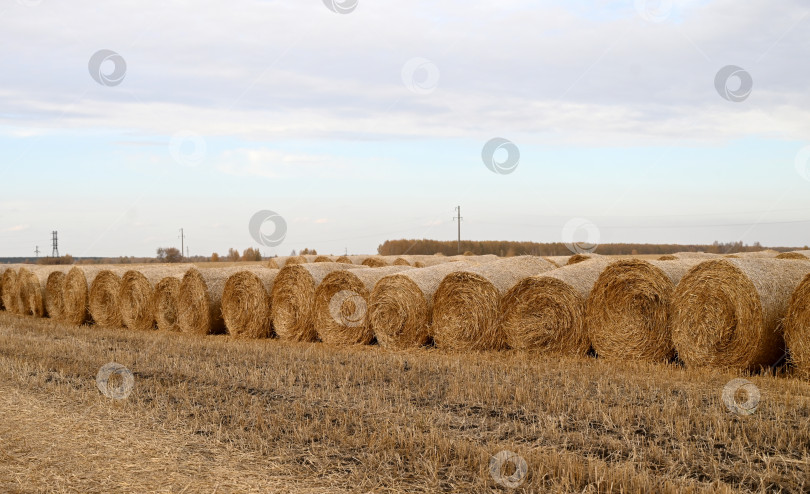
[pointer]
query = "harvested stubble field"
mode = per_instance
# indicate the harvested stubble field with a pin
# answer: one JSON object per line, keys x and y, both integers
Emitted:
{"x": 213, "y": 413}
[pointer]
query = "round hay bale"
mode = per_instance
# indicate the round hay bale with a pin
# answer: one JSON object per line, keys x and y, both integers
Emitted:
{"x": 341, "y": 305}
{"x": 164, "y": 302}
{"x": 727, "y": 313}
{"x": 400, "y": 306}
{"x": 546, "y": 313}
{"x": 797, "y": 328}
{"x": 136, "y": 294}
{"x": 295, "y": 260}
{"x": 104, "y": 301}
{"x": 54, "y": 302}
{"x": 293, "y": 298}
{"x": 271, "y": 264}
{"x": 401, "y": 261}
{"x": 199, "y": 301}
{"x": 375, "y": 262}
{"x": 696, "y": 255}
{"x": 31, "y": 298}
{"x": 76, "y": 292}
{"x": 578, "y": 258}
{"x": 801, "y": 255}
{"x": 467, "y": 304}
{"x": 323, "y": 259}
{"x": 246, "y": 303}
{"x": 668, "y": 257}
{"x": 762, "y": 254}
{"x": 628, "y": 311}
{"x": 344, "y": 260}
{"x": 10, "y": 292}
{"x": 419, "y": 264}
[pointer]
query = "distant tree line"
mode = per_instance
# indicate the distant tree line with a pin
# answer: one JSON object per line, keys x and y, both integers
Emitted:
{"x": 506, "y": 248}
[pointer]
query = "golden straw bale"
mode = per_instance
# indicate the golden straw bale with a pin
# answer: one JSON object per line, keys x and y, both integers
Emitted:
{"x": 341, "y": 304}
{"x": 467, "y": 303}
{"x": 629, "y": 309}
{"x": 547, "y": 312}
{"x": 164, "y": 302}
{"x": 246, "y": 303}
{"x": 728, "y": 313}
{"x": 400, "y": 305}
{"x": 802, "y": 255}
{"x": 137, "y": 293}
{"x": 797, "y": 328}
{"x": 293, "y": 298}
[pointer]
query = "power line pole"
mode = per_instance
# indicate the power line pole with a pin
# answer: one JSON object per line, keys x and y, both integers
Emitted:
{"x": 55, "y": 239}
{"x": 458, "y": 218}
{"x": 37, "y": 251}
{"x": 182, "y": 242}
{"x": 187, "y": 254}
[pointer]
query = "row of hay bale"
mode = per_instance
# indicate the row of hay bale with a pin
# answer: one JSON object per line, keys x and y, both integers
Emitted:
{"x": 709, "y": 311}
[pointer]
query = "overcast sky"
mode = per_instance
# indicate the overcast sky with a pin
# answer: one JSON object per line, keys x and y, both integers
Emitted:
{"x": 361, "y": 123}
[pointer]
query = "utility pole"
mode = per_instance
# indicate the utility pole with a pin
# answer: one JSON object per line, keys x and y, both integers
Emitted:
{"x": 187, "y": 254}
{"x": 55, "y": 238}
{"x": 37, "y": 250}
{"x": 458, "y": 218}
{"x": 182, "y": 242}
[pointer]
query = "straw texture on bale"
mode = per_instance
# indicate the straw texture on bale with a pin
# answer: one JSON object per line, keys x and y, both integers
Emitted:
{"x": 104, "y": 298}
{"x": 628, "y": 312}
{"x": 375, "y": 262}
{"x": 10, "y": 295}
{"x": 136, "y": 294}
{"x": 401, "y": 261}
{"x": 199, "y": 301}
{"x": 271, "y": 264}
{"x": 341, "y": 305}
{"x": 295, "y": 260}
{"x": 797, "y": 328}
{"x": 164, "y": 302}
{"x": 467, "y": 303}
{"x": 546, "y": 313}
{"x": 54, "y": 302}
{"x": 246, "y": 303}
{"x": 400, "y": 306}
{"x": 76, "y": 293}
{"x": 344, "y": 260}
{"x": 323, "y": 259}
{"x": 802, "y": 255}
{"x": 31, "y": 298}
{"x": 727, "y": 313}
{"x": 668, "y": 257}
{"x": 293, "y": 298}
{"x": 696, "y": 255}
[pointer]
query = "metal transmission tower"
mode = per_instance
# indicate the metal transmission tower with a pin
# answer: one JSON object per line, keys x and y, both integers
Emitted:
{"x": 36, "y": 251}
{"x": 55, "y": 237}
{"x": 458, "y": 218}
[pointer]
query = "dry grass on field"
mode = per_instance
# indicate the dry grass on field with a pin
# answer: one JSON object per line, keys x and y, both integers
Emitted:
{"x": 217, "y": 414}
